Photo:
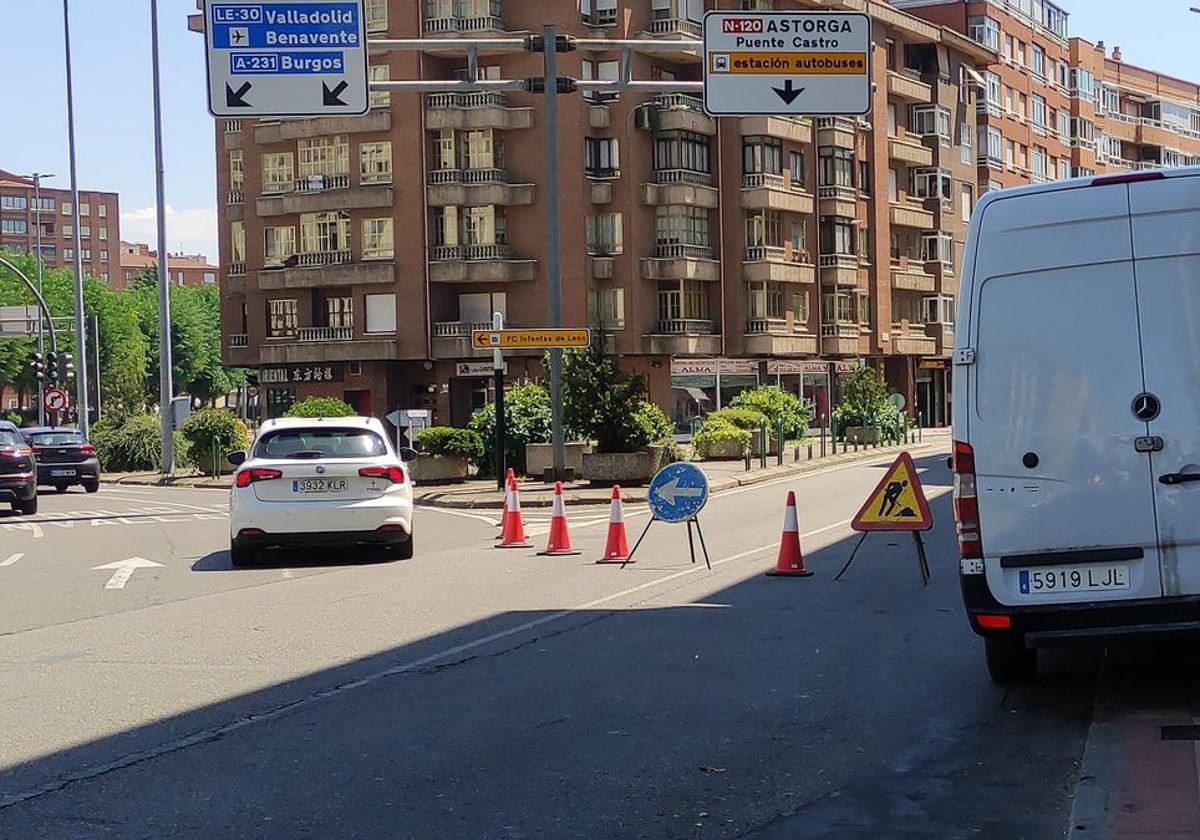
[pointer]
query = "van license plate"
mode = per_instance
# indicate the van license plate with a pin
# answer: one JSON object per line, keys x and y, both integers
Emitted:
{"x": 1056, "y": 579}
{"x": 319, "y": 486}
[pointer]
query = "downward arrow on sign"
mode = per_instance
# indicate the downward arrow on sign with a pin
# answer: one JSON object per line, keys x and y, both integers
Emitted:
{"x": 125, "y": 570}
{"x": 788, "y": 92}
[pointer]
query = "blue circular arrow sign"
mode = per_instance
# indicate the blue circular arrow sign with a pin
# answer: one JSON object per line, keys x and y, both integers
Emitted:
{"x": 678, "y": 492}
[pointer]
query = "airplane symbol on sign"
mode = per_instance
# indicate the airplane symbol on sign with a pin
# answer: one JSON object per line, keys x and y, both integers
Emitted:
{"x": 238, "y": 35}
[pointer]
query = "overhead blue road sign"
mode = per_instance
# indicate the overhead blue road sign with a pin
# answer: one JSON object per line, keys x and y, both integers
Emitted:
{"x": 286, "y": 58}
{"x": 678, "y": 492}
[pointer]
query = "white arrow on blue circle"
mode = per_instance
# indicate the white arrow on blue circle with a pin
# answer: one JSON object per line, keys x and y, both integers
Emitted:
{"x": 671, "y": 491}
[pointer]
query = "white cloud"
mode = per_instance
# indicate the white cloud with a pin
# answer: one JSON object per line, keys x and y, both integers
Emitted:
{"x": 191, "y": 231}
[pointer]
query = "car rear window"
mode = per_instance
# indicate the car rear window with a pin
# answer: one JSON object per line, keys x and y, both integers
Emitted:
{"x": 58, "y": 439}
{"x": 320, "y": 443}
{"x": 9, "y": 440}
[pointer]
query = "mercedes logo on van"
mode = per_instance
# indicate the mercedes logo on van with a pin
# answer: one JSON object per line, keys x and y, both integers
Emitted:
{"x": 320, "y": 470}
{"x": 1146, "y": 407}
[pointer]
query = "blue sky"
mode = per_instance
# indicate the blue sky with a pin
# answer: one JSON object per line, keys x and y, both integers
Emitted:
{"x": 114, "y": 128}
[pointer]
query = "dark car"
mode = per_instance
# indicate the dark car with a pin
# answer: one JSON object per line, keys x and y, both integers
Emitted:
{"x": 64, "y": 458}
{"x": 18, "y": 473}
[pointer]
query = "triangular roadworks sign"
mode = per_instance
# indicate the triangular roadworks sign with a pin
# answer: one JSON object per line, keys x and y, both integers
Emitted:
{"x": 898, "y": 503}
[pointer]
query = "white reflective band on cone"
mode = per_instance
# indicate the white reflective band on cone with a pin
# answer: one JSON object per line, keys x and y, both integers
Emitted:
{"x": 615, "y": 514}
{"x": 560, "y": 508}
{"x": 791, "y": 523}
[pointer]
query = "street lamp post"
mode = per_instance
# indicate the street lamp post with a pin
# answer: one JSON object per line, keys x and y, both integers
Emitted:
{"x": 81, "y": 372}
{"x": 165, "y": 387}
{"x": 41, "y": 340}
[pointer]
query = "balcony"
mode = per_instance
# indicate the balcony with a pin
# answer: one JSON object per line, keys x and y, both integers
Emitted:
{"x": 838, "y": 201}
{"x": 908, "y": 85}
{"x": 602, "y": 267}
{"x": 836, "y": 131}
{"x": 770, "y": 264}
{"x": 476, "y": 187}
{"x": 322, "y": 193}
{"x": 452, "y": 339}
{"x": 601, "y": 192}
{"x": 778, "y": 337}
{"x": 911, "y": 340}
{"x": 465, "y": 111}
{"x": 681, "y": 262}
{"x": 322, "y": 335}
{"x": 236, "y": 269}
{"x": 943, "y": 334}
{"x": 235, "y": 197}
{"x": 313, "y": 348}
{"x": 232, "y": 126}
{"x": 793, "y": 129}
{"x": 912, "y": 215}
{"x": 910, "y": 151}
{"x": 839, "y": 270}
{"x": 680, "y": 187}
{"x": 912, "y": 277}
{"x": 767, "y": 191}
{"x": 1123, "y": 127}
{"x": 238, "y": 341}
{"x": 684, "y": 337}
{"x": 673, "y": 28}
{"x": 675, "y": 112}
{"x": 479, "y": 264}
{"x": 300, "y": 129}
{"x": 840, "y": 339}
{"x": 333, "y": 269}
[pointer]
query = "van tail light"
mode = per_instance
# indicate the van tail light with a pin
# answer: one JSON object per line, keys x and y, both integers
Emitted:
{"x": 247, "y": 477}
{"x": 1127, "y": 178}
{"x": 966, "y": 503}
{"x": 994, "y": 622}
{"x": 87, "y": 449}
{"x": 392, "y": 474}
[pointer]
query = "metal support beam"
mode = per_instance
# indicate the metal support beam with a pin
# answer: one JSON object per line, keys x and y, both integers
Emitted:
{"x": 554, "y": 251}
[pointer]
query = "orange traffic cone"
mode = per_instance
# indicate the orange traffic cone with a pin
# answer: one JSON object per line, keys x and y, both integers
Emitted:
{"x": 510, "y": 477}
{"x": 514, "y": 526}
{"x": 616, "y": 549}
{"x": 791, "y": 558}
{"x": 560, "y": 539}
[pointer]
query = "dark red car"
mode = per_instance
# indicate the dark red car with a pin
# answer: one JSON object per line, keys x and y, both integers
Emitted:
{"x": 18, "y": 473}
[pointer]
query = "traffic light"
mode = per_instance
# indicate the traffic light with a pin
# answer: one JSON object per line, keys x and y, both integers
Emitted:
{"x": 37, "y": 366}
{"x": 66, "y": 370}
{"x": 52, "y": 366}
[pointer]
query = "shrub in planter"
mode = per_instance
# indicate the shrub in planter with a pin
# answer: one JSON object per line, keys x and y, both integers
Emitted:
{"x": 718, "y": 438}
{"x": 214, "y": 427}
{"x": 527, "y": 418}
{"x": 863, "y": 401}
{"x": 778, "y": 406}
{"x": 321, "y": 407}
{"x": 134, "y": 444}
{"x": 743, "y": 418}
{"x": 459, "y": 443}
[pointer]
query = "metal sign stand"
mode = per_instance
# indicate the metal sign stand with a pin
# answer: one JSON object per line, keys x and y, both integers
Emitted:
{"x": 691, "y": 544}
{"x": 922, "y": 560}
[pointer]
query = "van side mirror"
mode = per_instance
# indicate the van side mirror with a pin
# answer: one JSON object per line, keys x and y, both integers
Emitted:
{"x": 407, "y": 454}
{"x": 236, "y": 458}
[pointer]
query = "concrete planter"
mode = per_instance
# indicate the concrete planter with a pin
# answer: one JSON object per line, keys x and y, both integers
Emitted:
{"x": 625, "y": 468}
{"x": 756, "y": 447}
{"x": 722, "y": 450}
{"x": 539, "y": 457}
{"x": 439, "y": 469}
{"x": 863, "y": 435}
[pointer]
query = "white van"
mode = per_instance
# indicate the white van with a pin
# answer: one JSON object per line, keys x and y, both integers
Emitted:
{"x": 1077, "y": 414}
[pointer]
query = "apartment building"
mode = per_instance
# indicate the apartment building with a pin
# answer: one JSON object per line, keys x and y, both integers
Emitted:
{"x": 99, "y": 225}
{"x": 358, "y": 254}
{"x": 182, "y": 269}
{"x": 1058, "y": 106}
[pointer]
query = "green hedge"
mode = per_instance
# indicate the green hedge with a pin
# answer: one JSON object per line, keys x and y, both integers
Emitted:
{"x": 134, "y": 444}
{"x": 444, "y": 440}
{"x": 527, "y": 420}
{"x": 779, "y": 406}
{"x": 321, "y": 407}
{"x": 743, "y": 418}
{"x": 203, "y": 427}
{"x": 717, "y": 429}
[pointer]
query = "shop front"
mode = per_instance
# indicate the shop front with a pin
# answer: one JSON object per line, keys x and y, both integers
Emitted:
{"x": 808, "y": 380}
{"x": 934, "y": 380}
{"x": 701, "y": 386}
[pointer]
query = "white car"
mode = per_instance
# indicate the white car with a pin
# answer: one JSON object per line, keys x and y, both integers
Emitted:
{"x": 315, "y": 482}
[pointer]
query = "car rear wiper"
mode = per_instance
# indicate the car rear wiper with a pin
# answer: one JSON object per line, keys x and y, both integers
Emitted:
{"x": 305, "y": 453}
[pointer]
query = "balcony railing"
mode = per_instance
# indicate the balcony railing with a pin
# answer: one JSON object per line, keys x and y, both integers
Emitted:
{"x": 766, "y": 252}
{"x": 320, "y": 183}
{"x": 489, "y": 175}
{"x": 683, "y": 252}
{"x": 485, "y": 99}
{"x": 771, "y": 326}
{"x": 235, "y": 197}
{"x": 755, "y": 180}
{"x": 842, "y": 330}
{"x": 239, "y": 340}
{"x": 490, "y": 22}
{"x": 321, "y": 335}
{"x": 686, "y": 326}
{"x": 677, "y": 26}
{"x": 683, "y": 176}
{"x": 686, "y": 101}
{"x": 447, "y": 253}
{"x": 319, "y": 258}
{"x": 458, "y": 329}
{"x": 837, "y": 193}
{"x": 233, "y": 126}
{"x": 839, "y": 261}
{"x": 237, "y": 269}
{"x": 840, "y": 123}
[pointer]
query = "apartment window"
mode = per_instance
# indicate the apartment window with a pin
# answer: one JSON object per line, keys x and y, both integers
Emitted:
{"x": 967, "y": 143}
{"x": 604, "y": 234}
{"x": 932, "y": 183}
{"x": 481, "y": 149}
{"x": 893, "y": 185}
{"x": 864, "y": 309}
{"x": 986, "y": 31}
{"x": 102, "y": 209}
{"x": 598, "y": 12}
{"x": 937, "y": 246}
{"x": 608, "y": 71}
{"x": 906, "y": 308}
{"x": 68, "y": 231}
{"x": 324, "y": 232}
{"x": 606, "y": 309}
{"x": 1021, "y": 53}
{"x": 864, "y": 177}
{"x": 85, "y": 231}
{"x": 66, "y": 207}
{"x": 1083, "y": 84}
{"x": 1038, "y": 112}
{"x": 1009, "y": 155}
{"x": 324, "y": 156}
{"x": 676, "y": 225}
{"x": 377, "y": 242}
{"x": 1008, "y": 46}
{"x": 445, "y": 150}
{"x": 1083, "y": 130}
{"x": 281, "y": 317}
{"x": 47, "y": 205}
{"x": 483, "y": 226}
{"x": 993, "y": 92}
{"x": 992, "y": 186}
{"x": 14, "y": 226}
{"x": 928, "y": 120}
{"x": 1008, "y": 100}
{"x": 1064, "y": 124}
{"x": 1064, "y": 169}
{"x": 210, "y": 278}
{"x": 380, "y": 73}
{"x": 682, "y": 150}
{"x": 837, "y": 307}
{"x": 375, "y": 15}
{"x": 68, "y": 253}
{"x": 602, "y": 157}
{"x": 104, "y": 233}
{"x": 339, "y": 312}
{"x": 13, "y": 202}
{"x": 939, "y": 310}
{"x": 967, "y": 200}
{"x": 237, "y": 242}
{"x": 1038, "y": 162}
{"x": 85, "y": 209}
{"x": 104, "y": 256}
{"x": 683, "y": 299}
{"x": 279, "y": 243}
{"x": 764, "y": 229}
{"x": 891, "y": 119}
{"x": 768, "y": 300}
{"x": 762, "y": 155}
{"x": 381, "y": 313}
{"x": 1110, "y": 100}
{"x": 278, "y": 172}
{"x": 835, "y": 167}
{"x": 799, "y": 306}
{"x": 237, "y": 172}
{"x": 1037, "y": 57}
{"x": 799, "y": 240}
{"x": 796, "y": 167}
{"x": 862, "y": 238}
{"x": 837, "y": 235}
{"x": 375, "y": 163}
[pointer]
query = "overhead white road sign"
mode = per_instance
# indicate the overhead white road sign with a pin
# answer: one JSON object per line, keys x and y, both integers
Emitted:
{"x": 787, "y": 63}
{"x": 286, "y": 58}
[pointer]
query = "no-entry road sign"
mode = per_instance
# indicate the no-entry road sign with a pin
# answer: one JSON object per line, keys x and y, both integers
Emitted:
{"x": 55, "y": 399}
{"x": 780, "y": 63}
{"x": 530, "y": 339}
{"x": 286, "y": 58}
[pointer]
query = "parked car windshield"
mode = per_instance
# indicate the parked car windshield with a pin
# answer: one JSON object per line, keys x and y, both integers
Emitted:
{"x": 58, "y": 439}
{"x": 320, "y": 443}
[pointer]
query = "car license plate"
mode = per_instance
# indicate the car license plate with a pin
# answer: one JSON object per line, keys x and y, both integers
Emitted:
{"x": 63, "y": 473}
{"x": 319, "y": 485}
{"x": 1056, "y": 579}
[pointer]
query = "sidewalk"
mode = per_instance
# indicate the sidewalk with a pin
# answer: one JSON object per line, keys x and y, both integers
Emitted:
{"x": 482, "y": 494}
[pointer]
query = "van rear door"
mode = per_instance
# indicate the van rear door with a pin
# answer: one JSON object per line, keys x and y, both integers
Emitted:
{"x": 1065, "y": 505}
{"x": 1166, "y": 239}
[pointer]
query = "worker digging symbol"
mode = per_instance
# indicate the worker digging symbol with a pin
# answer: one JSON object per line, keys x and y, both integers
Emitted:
{"x": 891, "y": 496}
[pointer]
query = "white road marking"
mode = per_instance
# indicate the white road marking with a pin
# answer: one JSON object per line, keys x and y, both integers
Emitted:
{"x": 161, "y": 501}
{"x": 24, "y": 526}
{"x": 125, "y": 570}
{"x": 10, "y": 560}
{"x": 491, "y": 520}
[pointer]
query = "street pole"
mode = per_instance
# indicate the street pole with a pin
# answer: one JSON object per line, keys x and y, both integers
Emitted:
{"x": 553, "y": 245}
{"x": 41, "y": 336}
{"x": 498, "y": 376}
{"x": 165, "y": 388}
{"x": 81, "y": 374}
{"x": 96, "y": 363}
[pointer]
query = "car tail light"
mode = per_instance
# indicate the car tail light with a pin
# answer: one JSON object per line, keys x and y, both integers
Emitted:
{"x": 87, "y": 449}
{"x": 247, "y": 477}
{"x": 392, "y": 474}
{"x": 20, "y": 452}
{"x": 994, "y": 622}
{"x": 966, "y": 503}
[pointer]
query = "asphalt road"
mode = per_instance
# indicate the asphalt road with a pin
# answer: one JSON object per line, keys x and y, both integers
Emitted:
{"x": 473, "y": 692}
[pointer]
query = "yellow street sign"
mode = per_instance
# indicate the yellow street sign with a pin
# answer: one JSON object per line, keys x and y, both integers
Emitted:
{"x": 898, "y": 503}
{"x": 530, "y": 339}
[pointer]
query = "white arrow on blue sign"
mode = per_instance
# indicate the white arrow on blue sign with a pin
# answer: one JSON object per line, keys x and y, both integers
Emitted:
{"x": 678, "y": 492}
